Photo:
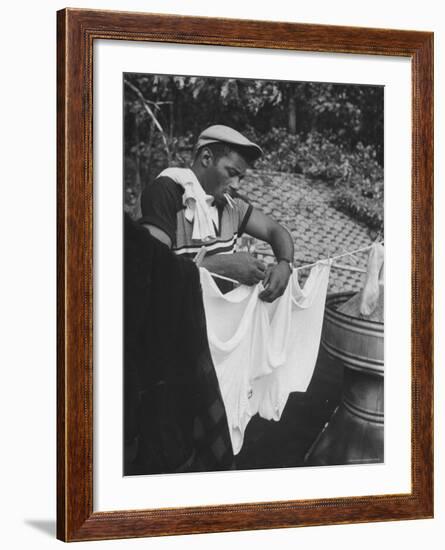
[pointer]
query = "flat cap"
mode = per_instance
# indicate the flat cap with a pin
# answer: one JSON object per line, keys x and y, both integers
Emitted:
{"x": 225, "y": 134}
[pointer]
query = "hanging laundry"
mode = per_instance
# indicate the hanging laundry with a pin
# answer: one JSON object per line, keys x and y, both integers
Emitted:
{"x": 374, "y": 278}
{"x": 262, "y": 352}
{"x": 368, "y": 303}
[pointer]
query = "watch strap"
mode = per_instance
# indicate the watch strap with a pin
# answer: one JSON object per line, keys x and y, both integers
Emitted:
{"x": 288, "y": 262}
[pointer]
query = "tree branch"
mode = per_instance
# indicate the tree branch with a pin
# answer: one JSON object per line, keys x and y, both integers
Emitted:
{"x": 156, "y": 122}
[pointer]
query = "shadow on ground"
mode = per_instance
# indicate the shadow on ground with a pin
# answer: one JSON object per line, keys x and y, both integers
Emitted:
{"x": 46, "y": 526}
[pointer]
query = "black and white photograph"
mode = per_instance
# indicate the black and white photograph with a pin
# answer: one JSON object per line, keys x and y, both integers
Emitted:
{"x": 253, "y": 274}
{"x": 223, "y": 275}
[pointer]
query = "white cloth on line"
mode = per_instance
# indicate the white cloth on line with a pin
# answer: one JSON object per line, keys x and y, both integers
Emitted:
{"x": 262, "y": 352}
{"x": 199, "y": 206}
{"x": 374, "y": 278}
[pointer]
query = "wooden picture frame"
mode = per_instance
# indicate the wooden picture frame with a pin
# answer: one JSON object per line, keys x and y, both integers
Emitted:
{"x": 77, "y": 31}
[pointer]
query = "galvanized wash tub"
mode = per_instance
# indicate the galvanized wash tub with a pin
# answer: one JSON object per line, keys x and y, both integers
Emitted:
{"x": 354, "y": 434}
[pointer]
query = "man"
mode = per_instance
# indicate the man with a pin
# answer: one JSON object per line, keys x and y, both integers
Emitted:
{"x": 187, "y": 209}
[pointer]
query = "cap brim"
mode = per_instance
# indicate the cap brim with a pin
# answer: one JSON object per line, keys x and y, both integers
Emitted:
{"x": 255, "y": 149}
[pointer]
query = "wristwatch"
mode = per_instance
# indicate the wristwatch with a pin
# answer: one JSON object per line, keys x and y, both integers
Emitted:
{"x": 288, "y": 262}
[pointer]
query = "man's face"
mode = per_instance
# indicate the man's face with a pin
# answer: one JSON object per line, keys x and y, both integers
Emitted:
{"x": 226, "y": 172}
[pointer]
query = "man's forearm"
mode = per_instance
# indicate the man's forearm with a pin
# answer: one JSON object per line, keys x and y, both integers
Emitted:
{"x": 221, "y": 264}
{"x": 281, "y": 242}
{"x": 241, "y": 267}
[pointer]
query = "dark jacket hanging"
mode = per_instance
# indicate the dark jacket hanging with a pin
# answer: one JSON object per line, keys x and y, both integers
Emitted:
{"x": 174, "y": 416}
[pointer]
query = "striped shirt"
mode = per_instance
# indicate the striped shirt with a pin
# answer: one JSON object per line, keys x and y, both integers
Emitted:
{"x": 162, "y": 206}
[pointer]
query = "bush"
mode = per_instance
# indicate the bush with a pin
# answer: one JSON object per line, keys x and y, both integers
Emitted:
{"x": 281, "y": 150}
{"x": 360, "y": 192}
{"x": 360, "y": 207}
{"x": 355, "y": 174}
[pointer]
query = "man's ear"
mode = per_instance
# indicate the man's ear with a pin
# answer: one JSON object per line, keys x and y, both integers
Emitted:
{"x": 206, "y": 157}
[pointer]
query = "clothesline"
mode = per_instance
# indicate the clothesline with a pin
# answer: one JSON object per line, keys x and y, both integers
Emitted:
{"x": 339, "y": 256}
{"x": 308, "y": 265}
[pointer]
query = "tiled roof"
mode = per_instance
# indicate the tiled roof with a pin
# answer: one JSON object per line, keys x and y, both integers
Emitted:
{"x": 318, "y": 229}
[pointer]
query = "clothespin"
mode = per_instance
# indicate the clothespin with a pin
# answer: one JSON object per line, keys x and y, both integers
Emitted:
{"x": 327, "y": 259}
{"x": 200, "y": 256}
{"x": 352, "y": 257}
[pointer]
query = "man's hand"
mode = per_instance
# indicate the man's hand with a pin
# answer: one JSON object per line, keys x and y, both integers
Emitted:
{"x": 264, "y": 228}
{"x": 275, "y": 282}
{"x": 241, "y": 266}
{"x": 247, "y": 269}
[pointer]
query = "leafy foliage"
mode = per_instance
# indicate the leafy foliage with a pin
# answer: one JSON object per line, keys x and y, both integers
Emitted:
{"x": 329, "y": 132}
{"x": 355, "y": 175}
{"x": 361, "y": 207}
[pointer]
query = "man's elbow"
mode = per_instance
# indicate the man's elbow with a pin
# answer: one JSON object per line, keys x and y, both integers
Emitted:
{"x": 279, "y": 232}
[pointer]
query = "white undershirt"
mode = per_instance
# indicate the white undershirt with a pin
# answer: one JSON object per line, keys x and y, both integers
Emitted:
{"x": 262, "y": 352}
